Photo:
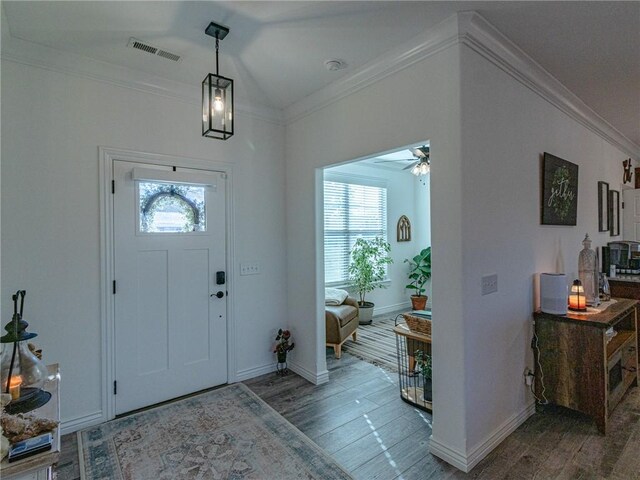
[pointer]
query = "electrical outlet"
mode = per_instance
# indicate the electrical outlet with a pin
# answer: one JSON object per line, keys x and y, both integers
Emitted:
{"x": 528, "y": 377}
{"x": 249, "y": 268}
{"x": 489, "y": 284}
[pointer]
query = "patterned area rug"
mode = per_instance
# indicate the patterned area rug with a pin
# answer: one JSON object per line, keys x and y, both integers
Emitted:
{"x": 376, "y": 343}
{"x": 228, "y": 433}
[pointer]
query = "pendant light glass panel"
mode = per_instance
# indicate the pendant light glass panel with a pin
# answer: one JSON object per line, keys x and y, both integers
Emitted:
{"x": 217, "y": 107}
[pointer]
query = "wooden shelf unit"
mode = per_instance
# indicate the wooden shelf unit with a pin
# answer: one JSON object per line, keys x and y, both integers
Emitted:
{"x": 582, "y": 368}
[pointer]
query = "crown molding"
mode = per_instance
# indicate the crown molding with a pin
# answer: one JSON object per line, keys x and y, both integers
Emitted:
{"x": 486, "y": 40}
{"x": 475, "y": 32}
{"x": 437, "y": 39}
{"x": 39, "y": 56}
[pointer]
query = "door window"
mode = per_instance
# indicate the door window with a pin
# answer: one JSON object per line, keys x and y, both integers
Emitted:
{"x": 171, "y": 207}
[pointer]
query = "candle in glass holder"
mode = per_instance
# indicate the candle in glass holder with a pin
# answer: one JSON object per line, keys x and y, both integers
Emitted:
{"x": 14, "y": 386}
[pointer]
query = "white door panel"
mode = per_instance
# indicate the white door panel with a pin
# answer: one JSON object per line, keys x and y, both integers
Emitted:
{"x": 631, "y": 214}
{"x": 171, "y": 335}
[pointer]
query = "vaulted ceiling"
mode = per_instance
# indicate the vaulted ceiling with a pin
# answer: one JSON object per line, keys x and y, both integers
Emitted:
{"x": 277, "y": 50}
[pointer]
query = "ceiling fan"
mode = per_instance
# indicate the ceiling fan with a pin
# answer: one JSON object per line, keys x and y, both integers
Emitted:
{"x": 421, "y": 163}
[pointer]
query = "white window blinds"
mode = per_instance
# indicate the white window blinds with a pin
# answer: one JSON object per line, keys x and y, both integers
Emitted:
{"x": 350, "y": 211}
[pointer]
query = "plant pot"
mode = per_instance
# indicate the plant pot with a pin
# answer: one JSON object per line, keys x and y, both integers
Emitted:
{"x": 427, "y": 393}
{"x": 419, "y": 302}
{"x": 366, "y": 313}
{"x": 282, "y": 357}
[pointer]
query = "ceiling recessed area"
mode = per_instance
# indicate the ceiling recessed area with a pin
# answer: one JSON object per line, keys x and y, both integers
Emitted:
{"x": 277, "y": 50}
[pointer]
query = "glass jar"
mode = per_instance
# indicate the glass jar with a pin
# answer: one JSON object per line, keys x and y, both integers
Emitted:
{"x": 24, "y": 368}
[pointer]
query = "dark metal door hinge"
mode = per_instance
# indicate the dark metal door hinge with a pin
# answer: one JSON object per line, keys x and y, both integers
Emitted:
{"x": 113, "y": 186}
{"x": 114, "y": 287}
{"x": 115, "y": 387}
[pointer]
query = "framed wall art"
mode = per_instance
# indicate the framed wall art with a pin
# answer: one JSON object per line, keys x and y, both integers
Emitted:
{"x": 404, "y": 229}
{"x": 603, "y": 207}
{"x": 559, "y": 191}
{"x": 614, "y": 213}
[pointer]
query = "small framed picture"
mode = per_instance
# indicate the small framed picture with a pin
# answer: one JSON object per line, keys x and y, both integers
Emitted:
{"x": 603, "y": 207}
{"x": 614, "y": 213}
{"x": 559, "y": 191}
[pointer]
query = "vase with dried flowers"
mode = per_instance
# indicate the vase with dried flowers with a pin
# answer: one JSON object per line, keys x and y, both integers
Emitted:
{"x": 282, "y": 347}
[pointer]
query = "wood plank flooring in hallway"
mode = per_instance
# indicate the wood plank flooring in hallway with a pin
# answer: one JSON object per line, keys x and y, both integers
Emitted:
{"x": 359, "y": 418}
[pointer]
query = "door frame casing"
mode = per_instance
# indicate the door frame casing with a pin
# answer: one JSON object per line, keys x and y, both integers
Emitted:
{"x": 106, "y": 157}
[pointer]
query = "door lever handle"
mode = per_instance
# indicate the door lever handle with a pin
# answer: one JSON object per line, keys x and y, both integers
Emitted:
{"x": 219, "y": 294}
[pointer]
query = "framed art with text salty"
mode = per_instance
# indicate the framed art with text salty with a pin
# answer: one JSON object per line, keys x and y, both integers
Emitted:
{"x": 559, "y": 191}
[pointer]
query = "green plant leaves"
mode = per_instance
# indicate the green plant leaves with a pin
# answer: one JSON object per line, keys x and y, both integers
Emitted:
{"x": 420, "y": 270}
{"x": 369, "y": 259}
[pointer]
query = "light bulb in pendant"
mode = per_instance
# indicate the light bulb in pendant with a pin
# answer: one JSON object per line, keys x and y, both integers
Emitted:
{"x": 218, "y": 104}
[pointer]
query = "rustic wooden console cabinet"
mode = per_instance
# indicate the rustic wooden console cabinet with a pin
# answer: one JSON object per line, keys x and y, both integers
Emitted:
{"x": 584, "y": 369}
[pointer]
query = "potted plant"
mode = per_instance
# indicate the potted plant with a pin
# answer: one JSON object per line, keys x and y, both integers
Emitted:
{"x": 367, "y": 269}
{"x": 419, "y": 273}
{"x": 423, "y": 364}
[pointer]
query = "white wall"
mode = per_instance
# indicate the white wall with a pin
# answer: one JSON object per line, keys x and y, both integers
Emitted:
{"x": 423, "y": 100}
{"x": 505, "y": 130}
{"x": 403, "y": 190}
{"x": 52, "y": 125}
{"x": 488, "y": 131}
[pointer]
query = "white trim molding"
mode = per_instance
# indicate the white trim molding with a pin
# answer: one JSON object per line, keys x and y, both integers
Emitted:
{"x": 82, "y": 422}
{"x": 486, "y": 40}
{"x": 315, "y": 378}
{"x": 466, "y": 461}
{"x": 473, "y": 31}
{"x": 41, "y": 56}
{"x": 464, "y": 28}
{"x": 248, "y": 373}
{"x": 392, "y": 308}
{"x": 437, "y": 39}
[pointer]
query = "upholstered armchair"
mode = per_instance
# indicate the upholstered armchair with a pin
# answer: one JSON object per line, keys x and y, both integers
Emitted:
{"x": 341, "y": 321}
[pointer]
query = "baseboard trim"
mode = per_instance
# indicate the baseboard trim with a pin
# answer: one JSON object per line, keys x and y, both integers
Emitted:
{"x": 315, "y": 378}
{"x": 477, "y": 453}
{"x": 80, "y": 423}
{"x": 483, "y": 448}
{"x": 248, "y": 373}
{"x": 391, "y": 308}
{"x": 449, "y": 455}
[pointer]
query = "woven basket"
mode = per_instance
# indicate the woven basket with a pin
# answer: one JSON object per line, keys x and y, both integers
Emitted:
{"x": 417, "y": 324}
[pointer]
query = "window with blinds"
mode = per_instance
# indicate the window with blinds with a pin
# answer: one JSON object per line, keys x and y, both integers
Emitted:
{"x": 350, "y": 211}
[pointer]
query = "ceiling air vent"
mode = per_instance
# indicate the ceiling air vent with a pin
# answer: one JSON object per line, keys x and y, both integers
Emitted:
{"x": 137, "y": 44}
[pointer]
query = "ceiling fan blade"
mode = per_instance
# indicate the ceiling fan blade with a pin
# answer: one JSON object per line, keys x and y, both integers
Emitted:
{"x": 411, "y": 166}
{"x": 398, "y": 160}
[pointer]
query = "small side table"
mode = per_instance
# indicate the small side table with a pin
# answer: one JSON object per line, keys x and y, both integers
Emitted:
{"x": 40, "y": 466}
{"x": 410, "y": 381}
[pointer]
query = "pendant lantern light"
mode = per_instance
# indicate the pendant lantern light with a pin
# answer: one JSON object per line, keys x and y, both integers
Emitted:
{"x": 217, "y": 95}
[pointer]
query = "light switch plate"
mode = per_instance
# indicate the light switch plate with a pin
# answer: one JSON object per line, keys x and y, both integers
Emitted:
{"x": 249, "y": 268}
{"x": 489, "y": 284}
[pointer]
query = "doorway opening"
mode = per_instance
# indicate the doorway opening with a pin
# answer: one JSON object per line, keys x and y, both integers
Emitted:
{"x": 383, "y": 198}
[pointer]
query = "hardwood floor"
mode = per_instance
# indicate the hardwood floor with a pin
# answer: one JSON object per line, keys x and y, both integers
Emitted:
{"x": 359, "y": 418}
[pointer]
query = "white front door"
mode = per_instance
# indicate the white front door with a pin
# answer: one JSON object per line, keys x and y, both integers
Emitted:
{"x": 631, "y": 214}
{"x": 170, "y": 300}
